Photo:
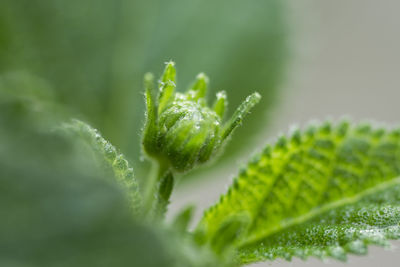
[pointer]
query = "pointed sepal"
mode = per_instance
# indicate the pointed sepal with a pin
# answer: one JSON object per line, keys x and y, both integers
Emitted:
{"x": 150, "y": 128}
{"x": 199, "y": 88}
{"x": 239, "y": 114}
{"x": 167, "y": 86}
{"x": 220, "y": 104}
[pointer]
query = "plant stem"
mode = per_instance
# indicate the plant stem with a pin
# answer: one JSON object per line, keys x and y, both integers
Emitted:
{"x": 158, "y": 169}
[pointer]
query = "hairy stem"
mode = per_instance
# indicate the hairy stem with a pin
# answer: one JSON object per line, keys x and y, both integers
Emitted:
{"x": 158, "y": 169}
{"x": 164, "y": 190}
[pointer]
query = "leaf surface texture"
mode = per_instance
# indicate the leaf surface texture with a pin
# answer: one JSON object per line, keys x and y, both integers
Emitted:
{"x": 324, "y": 191}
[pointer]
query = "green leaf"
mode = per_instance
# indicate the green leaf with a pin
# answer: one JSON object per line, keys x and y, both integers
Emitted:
{"x": 314, "y": 184}
{"x": 373, "y": 219}
{"x": 110, "y": 156}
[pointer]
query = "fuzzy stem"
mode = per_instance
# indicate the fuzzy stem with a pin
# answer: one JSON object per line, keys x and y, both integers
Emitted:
{"x": 164, "y": 190}
{"x": 158, "y": 169}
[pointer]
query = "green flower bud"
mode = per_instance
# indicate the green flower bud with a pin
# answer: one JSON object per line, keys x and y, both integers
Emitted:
{"x": 181, "y": 130}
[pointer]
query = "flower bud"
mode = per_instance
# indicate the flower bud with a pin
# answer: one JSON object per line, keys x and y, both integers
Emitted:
{"x": 181, "y": 130}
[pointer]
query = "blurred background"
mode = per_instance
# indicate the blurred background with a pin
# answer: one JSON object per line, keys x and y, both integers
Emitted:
{"x": 309, "y": 59}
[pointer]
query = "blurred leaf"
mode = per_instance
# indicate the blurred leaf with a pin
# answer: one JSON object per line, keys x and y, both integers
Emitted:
{"x": 58, "y": 208}
{"x": 109, "y": 157}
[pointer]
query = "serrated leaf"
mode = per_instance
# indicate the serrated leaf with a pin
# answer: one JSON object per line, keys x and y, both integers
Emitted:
{"x": 374, "y": 219}
{"x": 292, "y": 189}
{"x": 120, "y": 166}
